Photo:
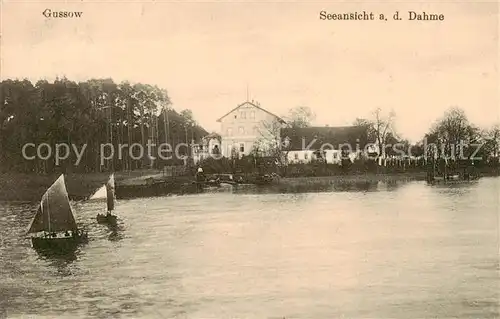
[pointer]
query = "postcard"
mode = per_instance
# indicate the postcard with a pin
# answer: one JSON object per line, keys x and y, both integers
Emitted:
{"x": 249, "y": 159}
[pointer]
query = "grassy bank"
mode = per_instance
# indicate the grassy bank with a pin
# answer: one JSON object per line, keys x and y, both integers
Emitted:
{"x": 30, "y": 187}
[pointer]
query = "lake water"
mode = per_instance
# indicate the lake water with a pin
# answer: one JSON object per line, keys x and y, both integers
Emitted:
{"x": 394, "y": 251}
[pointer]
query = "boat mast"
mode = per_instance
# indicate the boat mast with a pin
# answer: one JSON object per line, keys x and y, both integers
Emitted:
{"x": 445, "y": 169}
{"x": 48, "y": 209}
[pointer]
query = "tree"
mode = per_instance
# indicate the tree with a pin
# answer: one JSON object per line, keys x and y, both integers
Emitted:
{"x": 396, "y": 146}
{"x": 380, "y": 128}
{"x": 368, "y": 125}
{"x": 269, "y": 141}
{"x": 492, "y": 141}
{"x": 454, "y": 134}
{"x": 300, "y": 116}
{"x": 383, "y": 125}
{"x": 188, "y": 116}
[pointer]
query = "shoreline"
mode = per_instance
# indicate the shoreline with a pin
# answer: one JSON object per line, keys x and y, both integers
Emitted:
{"x": 22, "y": 187}
{"x": 367, "y": 177}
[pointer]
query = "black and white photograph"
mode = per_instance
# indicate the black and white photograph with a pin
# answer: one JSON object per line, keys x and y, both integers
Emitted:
{"x": 249, "y": 159}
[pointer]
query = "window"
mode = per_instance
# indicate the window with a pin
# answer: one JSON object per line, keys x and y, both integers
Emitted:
{"x": 256, "y": 130}
{"x": 242, "y": 147}
{"x": 243, "y": 115}
{"x": 252, "y": 115}
{"x": 229, "y": 131}
{"x": 334, "y": 156}
{"x": 235, "y": 116}
{"x": 306, "y": 156}
{"x": 241, "y": 130}
{"x": 296, "y": 156}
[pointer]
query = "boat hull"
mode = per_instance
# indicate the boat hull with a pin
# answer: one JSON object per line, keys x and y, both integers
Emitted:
{"x": 106, "y": 219}
{"x": 58, "y": 244}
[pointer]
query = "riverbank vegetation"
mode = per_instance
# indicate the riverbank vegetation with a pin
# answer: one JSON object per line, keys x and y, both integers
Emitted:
{"x": 99, "y": 111}
{"x": 453, "y": 143}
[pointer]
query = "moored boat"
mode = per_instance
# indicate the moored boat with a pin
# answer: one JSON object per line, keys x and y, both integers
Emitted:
{"x": 54, "y": 227}
{"x": 453, "y": 179}
{"x": 213, "y": 181}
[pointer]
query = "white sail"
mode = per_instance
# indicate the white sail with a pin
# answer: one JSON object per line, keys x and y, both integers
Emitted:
{"x": 100, "y": 193}
{"x": 110, "y": 192}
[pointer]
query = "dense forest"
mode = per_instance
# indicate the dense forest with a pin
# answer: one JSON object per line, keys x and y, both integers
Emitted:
{"x": 89, "y": 113}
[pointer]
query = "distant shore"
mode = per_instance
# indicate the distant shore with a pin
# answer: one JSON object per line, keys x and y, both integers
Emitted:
{"x": 30, "y": 187}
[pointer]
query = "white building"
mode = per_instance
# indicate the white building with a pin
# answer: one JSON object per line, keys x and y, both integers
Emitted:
{"x": 246, "y": 124}
{"x": 302, "y": 145}
{"x": 210, "y": 146}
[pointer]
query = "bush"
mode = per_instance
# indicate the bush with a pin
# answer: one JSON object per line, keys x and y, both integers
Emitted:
{"x": 216, "y": 166}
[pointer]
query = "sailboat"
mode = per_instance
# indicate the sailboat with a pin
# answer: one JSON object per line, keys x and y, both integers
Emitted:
{"x": 54, "y": 227}
{"x": 110, "y": 201}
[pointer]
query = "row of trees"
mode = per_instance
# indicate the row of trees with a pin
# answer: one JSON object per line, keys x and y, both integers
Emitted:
{"x": 89, "y": 113}
{"x": 451, "y": 135}
{"x": 99, "y": 111}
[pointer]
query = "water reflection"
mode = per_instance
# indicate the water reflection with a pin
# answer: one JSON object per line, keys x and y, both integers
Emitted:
{"x": 455, "y": 192}
{"x": 60, "y": 262}
{"x": 57, "y": 258}
{"x": 116, "y": 231}
{"x": 115, "y": 236}
{"x": 392, "y": 185}
{"x": 321, "y": 186}
{"x": 368, "y": 186}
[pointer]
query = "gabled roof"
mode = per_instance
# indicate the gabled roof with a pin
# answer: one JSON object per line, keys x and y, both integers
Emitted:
{"x": 300, "y": 138}
{"x": 212, "y": 135}
{"x": 254, "y": 105}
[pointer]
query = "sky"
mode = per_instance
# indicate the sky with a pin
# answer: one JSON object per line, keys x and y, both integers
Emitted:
{"x": 208, "y": 55}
